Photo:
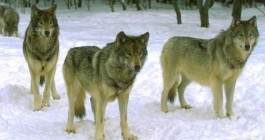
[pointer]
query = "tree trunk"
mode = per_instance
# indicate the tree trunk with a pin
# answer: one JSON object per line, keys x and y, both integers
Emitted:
{"x": 88, "y": 5}
{"x": 67, "y": 3}
{"x": 149, "y": 4}
{"x": 123, "y": 3}
{"x": 237, "y": 8}
{"x": 79, "y": 3}
{"x": 111, "y": 4}
{"x": 23, "y": 6}
{"x": 176, "y": 8}
{"x": 203, "y": 9}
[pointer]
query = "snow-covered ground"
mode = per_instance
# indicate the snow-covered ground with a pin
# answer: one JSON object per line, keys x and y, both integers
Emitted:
{"x": 100, "y": 26}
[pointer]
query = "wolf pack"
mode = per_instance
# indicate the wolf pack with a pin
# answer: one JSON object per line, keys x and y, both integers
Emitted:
{"x": 108, "y": 73}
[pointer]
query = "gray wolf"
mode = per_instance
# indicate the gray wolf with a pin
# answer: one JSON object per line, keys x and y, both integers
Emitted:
{"x": 107, "y": 74}
{"x": 216, "y": 63}
{"x": 41, "y": 49}
{"x": 9, "y": 19}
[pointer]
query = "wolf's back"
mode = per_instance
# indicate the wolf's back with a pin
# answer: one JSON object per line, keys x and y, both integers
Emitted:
{"x": 186, "y": 43}
{"x": 77, "y": 55}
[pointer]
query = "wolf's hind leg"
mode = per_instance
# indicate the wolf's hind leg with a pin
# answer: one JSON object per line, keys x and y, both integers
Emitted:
{"x": 93, "y": 107}
{"x": 170, "y": 81}
{"x": 55, "y": 95}
{"x": 172, "y": 92}
{"x": 72, "y": 91}
{"x": 181, "y": 89}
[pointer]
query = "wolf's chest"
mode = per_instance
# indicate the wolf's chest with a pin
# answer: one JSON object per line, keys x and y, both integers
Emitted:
{"x": 226, "y": 72}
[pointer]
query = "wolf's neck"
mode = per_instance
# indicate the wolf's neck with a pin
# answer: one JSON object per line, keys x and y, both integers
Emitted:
{"x": 120, "y": 75}
{"x": 234, "y": 58}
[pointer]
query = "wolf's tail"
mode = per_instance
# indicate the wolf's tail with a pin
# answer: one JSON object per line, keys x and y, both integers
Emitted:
{"x": 80, "y": 110}
{"x": 42, "y": 80}
{"x": 172, "y": 93}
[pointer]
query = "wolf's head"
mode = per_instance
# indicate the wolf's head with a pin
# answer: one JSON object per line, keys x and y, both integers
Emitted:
{"x": 131, "y": 50}
{"x": 11, "y": 20}
{"x": 244, "y": 34}
{"x": 44, "y": 22}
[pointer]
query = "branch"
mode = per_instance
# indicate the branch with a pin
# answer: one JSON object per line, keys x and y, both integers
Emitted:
{"x": 260, "y": 10}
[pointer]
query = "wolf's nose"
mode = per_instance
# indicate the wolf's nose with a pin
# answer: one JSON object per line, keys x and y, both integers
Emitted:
{"x": 47, "y": 33}
{"x": 247, "y": 47}
{"x": 137, "y": 67}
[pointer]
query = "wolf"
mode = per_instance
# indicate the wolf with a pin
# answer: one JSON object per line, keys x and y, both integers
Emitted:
{"x": 216, "y": 62}
{"x": 9, "y": 20}
{"x": 107, "y": 74}
{"x": 41, "y": 49}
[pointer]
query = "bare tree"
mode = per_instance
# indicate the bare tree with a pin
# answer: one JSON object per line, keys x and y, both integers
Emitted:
{"x": 237, "y": 8}
{"x": 203, "y": 9}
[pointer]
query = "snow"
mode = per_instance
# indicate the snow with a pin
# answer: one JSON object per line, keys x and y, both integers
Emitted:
{"x": 18, "y": 121}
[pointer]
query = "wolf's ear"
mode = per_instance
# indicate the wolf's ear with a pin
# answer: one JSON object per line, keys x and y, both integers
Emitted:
{"x": 120, "y": 39}
{"x": 234, "y": 23}
{"x": 253, "y": 21}
{"x": 144, "y": 38}
{"x": 34, "y": 10}
{"x": 53, "y": 8}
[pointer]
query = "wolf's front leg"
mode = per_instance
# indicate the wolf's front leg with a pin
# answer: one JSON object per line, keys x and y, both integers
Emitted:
{"x": 100, "y": 114}
{"x": 48, "y": 83}
{"x": 35, "y": 90}
{"x": 217, "y": 89}
{"x": 123, "y": 104}
{"x": 55, "y": 95}
{"x": 229, "y": 91}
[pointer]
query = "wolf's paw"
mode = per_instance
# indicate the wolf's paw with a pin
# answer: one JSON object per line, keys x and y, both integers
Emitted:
{"x": 220, "y": 115}
{"x": 37, "y": 103}
{"x": 229, "y": 114}
{"x": 164, "y": 109}
{"x": 129, "y": 137}
{"x": 46, "y": 104}
{"x": 100, "y": 137}
{"x": 37, "y": 109}
{"x": 233, "y": 117}
{"x": 56, "y": 96}
{"x": 70, "y": 130}
{"x": 186, "y": 106}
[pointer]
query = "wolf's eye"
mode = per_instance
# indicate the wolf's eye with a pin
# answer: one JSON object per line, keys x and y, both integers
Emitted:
{"x": 50, "y": 22}
{"x": 250, "y": 35}
{"x": 241, "y": 35}
{"x": 41, "y": 23}
{"x": 140, "y": 54}
{"x": 129, "y": 53}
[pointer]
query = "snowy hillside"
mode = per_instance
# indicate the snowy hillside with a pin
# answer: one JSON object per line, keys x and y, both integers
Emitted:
{"x": 100, "y": 26}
